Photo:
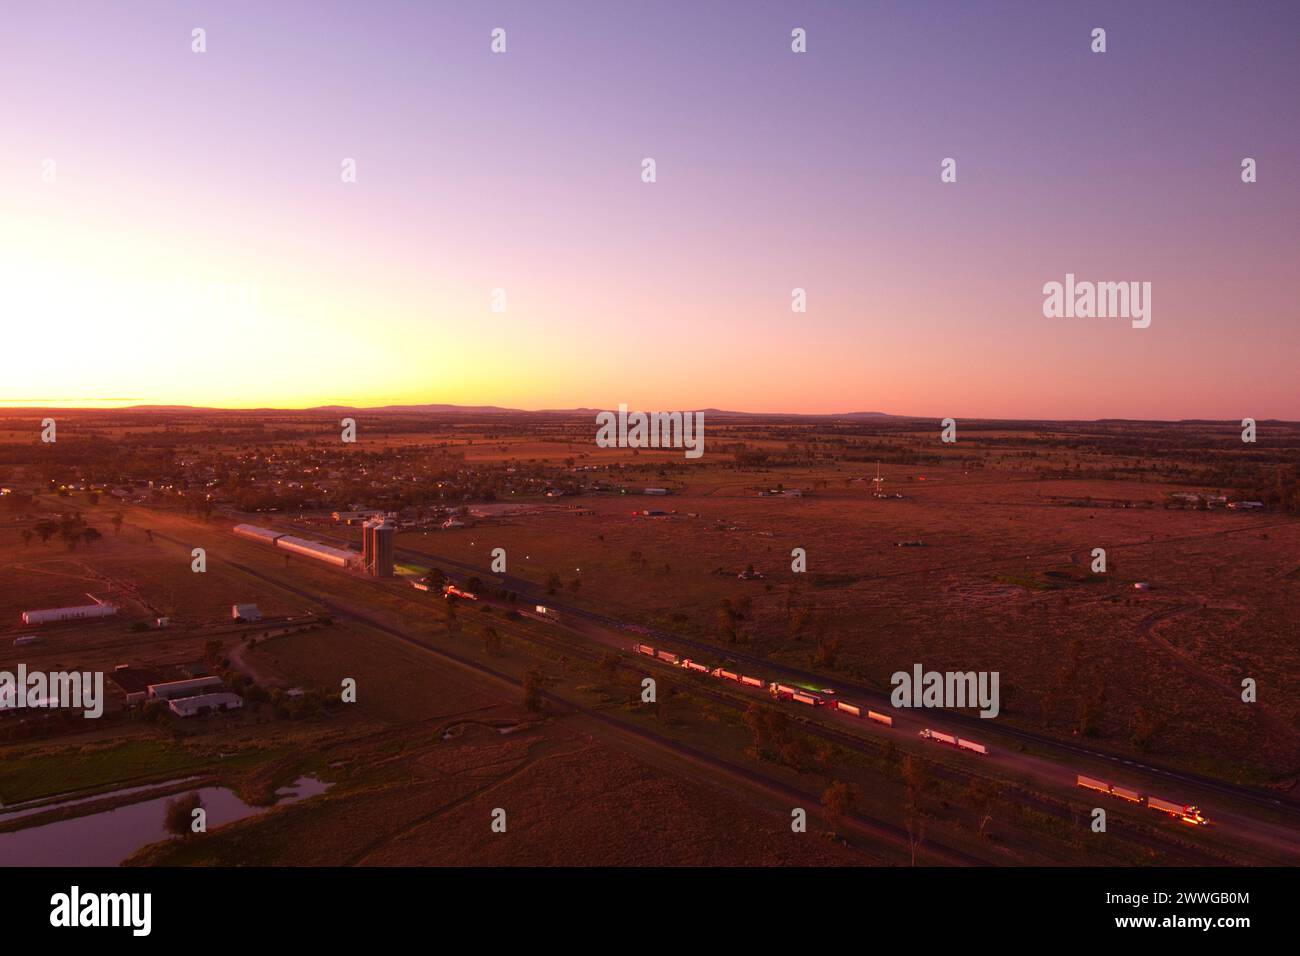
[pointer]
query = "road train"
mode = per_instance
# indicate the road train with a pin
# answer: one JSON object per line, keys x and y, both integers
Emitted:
{"x": 826, "y": 697}
{"x": 1179, "y": 811}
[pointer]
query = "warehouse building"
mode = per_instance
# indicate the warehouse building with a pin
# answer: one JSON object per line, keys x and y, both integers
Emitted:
{"x": 339, "y": 557}
{"x": 84, "y": 612}
{"x": 134, "y": 681}
{"x": 193, "y": 706}
{"x": 321, "y": 552}
{"x": 265, "y": 535}
{"x": 176, "y": 689}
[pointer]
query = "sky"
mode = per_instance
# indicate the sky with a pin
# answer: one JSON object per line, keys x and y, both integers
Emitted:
{"x": 175, "y": 227}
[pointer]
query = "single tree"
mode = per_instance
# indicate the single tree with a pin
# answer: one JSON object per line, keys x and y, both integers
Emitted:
{"x": 839, "y": 800}
{"x": 534, "y": 681}
{"x": 179, "y": 817}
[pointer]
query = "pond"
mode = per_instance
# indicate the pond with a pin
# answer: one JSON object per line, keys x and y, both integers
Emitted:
{"x": 109, "y": 837}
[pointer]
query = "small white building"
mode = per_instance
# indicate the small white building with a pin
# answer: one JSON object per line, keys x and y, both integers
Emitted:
{"x": 245, "y": 612}
{"x": 193, "y": 706}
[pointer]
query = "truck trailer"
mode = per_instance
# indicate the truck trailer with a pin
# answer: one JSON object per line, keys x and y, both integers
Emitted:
{"x": 1185, "y": 812}
{"x": 939, "y": 737}
{"x": 1101, "y": 786}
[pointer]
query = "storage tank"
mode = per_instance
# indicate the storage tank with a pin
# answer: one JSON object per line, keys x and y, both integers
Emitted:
{"x": 384, "y": 536}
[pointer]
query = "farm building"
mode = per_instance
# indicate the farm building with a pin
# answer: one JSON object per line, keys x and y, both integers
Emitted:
{"x": 134, "y": 681}
{"x": 84, "y": 612}
{"x": 193, "y": 706}
{"x": 176, "y": 689}
{"x": 245, "y": 612}
{"x": 321, "y": 552}
{"x": 265, "y": 535}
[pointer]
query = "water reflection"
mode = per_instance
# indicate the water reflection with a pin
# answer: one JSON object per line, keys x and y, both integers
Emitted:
{"x": 108, "y": 838}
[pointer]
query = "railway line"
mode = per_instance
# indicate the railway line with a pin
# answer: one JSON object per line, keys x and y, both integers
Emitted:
{"x": 841, "y": 737}
{"x": 1284, "y": 804}
{"x": 878, "y": 828}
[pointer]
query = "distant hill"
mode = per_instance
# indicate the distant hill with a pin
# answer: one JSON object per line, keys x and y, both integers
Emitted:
{"x": 716, "y": 413}
{"x": 435, "y": 408}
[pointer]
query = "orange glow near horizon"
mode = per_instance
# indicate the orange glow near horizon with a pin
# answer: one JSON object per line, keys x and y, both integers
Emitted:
{"x": 199, "y": 247}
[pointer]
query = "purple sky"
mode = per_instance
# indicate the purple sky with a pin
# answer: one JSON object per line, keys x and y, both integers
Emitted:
{"x": 180, "y": 173}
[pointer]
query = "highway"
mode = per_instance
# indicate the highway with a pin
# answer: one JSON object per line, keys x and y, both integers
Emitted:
{"x": 1053, "y": 765}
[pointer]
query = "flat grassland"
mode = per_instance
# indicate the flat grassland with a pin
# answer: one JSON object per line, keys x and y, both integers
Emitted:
{"x": 997, "y": 574}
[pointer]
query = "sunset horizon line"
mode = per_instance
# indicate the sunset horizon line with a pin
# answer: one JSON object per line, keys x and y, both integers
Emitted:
{"x": 487, "y": 408}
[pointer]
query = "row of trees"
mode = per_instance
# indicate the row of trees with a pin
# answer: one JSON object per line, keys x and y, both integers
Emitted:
{"x": 71, "y": 529}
